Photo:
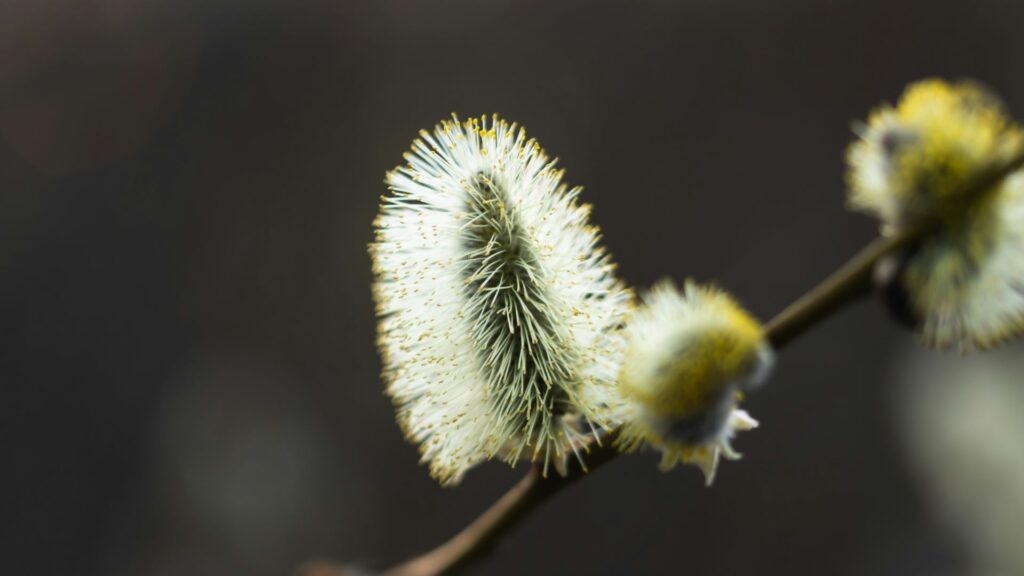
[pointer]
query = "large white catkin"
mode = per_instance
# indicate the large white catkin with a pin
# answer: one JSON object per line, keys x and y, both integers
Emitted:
{"x": 499, "y": 313}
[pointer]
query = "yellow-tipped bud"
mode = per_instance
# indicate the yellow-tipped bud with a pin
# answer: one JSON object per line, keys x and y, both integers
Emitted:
{"x": 689, "y": 358}
{"x": 917, "y": 161}
{"x": 921, "y": 163}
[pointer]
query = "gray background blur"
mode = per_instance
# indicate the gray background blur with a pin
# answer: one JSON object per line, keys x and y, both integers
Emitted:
{"x": 188, "y": 371}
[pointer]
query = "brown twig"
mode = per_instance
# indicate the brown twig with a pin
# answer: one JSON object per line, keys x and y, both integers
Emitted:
{"x": 851, "y": 282}
{"x": 526, "y": 495}
{"x": 848, "y": 284}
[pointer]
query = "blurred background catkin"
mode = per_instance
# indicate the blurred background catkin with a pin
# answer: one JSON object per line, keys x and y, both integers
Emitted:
{"x": 188, "y": 370}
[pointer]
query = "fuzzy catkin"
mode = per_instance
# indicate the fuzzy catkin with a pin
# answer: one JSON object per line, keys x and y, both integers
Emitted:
{"x": 499, "y": 312}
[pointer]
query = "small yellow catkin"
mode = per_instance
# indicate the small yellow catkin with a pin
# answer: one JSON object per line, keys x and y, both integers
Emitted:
{"x": 917, "y": 164}
{"x": 689, "y": 357}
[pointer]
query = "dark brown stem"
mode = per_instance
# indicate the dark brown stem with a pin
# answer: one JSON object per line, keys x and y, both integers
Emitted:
{"x": 481, "y": 534}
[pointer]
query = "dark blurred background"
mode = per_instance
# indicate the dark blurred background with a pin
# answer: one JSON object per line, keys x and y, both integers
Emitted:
{"x": 190, "y": 382}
